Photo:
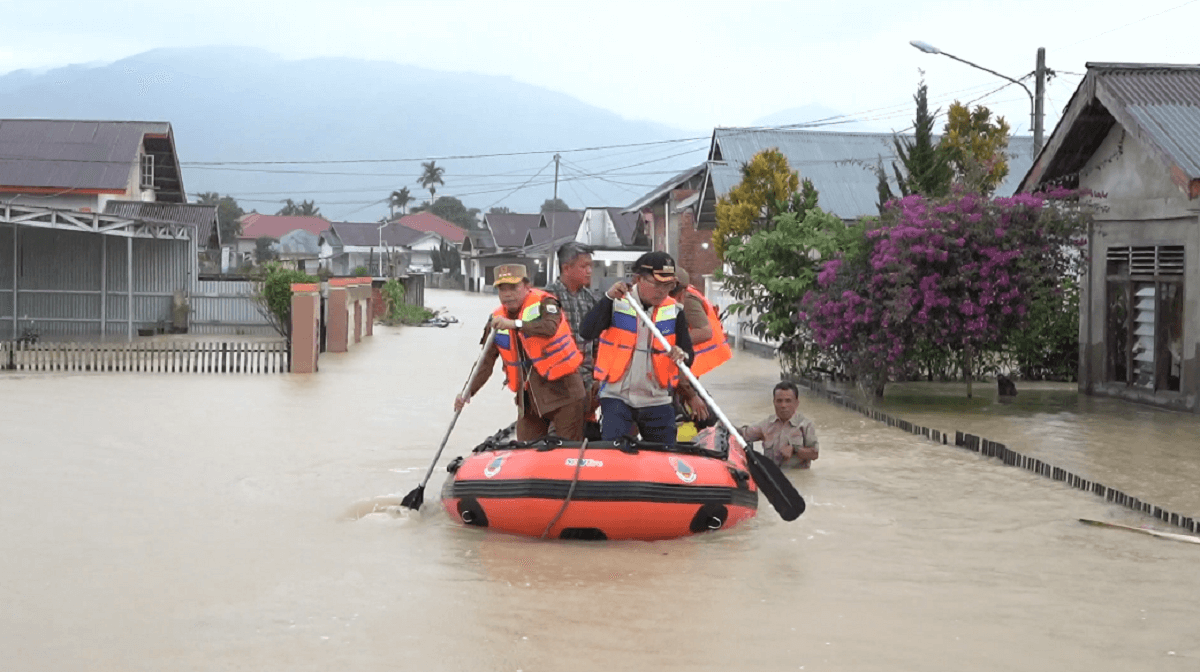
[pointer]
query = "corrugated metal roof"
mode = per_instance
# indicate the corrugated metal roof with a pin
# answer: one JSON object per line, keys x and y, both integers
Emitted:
{"x": 64, "y": 154}
{"x": 1157, "y": 103}
{"x": 1163, "y": 100}
{"x": 840, "y": 165}
{"x": 203, "y": 217}
{"x": 673, "y": 183}
{"x": 368, "y": 234}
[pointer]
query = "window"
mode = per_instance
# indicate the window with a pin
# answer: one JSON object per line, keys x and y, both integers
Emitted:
{"x": 1144, "y": 322}
{"x": 147, "y": 180}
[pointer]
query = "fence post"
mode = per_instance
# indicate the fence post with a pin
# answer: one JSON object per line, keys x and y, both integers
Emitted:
{"x": 306, "y": 326}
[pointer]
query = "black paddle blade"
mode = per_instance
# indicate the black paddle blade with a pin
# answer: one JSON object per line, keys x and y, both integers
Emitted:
{"x": 773, "y": 483}
{"x": 414, "y": 499}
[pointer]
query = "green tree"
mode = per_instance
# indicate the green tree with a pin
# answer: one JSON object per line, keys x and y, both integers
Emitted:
{"x": 882, "y": 188}
{"x": 431, "y": 177}
{"x": 399, "y": 200}
{"x": 554, "y": 205}
{"x": 767, "y": 185}
{"x": 262, "y": 249}
{"x": 272, "y": 295}
{"x": 228, "y": 213}
{"x": 446, "y": 258}
{"x": 498, "y": 210}
{"x": 772, "y": 269}
{"x": 303, "y": 209}
{"x": 927, "y": 169}
{"x": 451, "y": 209}
{"x": 974, "y": 146}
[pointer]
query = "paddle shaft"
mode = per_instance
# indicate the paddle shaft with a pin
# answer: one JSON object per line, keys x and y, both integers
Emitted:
{"x": 662, "y": 340}
{"x": 491, "y": 337}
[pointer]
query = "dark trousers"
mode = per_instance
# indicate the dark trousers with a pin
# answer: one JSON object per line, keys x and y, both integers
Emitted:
{"x": 656, "y": 423}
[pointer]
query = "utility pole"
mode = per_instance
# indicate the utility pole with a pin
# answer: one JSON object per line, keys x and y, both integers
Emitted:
{"x": 1039, "y": 100}
{"x": 553, "y": 211}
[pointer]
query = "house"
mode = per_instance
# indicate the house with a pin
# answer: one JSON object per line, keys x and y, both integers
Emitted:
{"x": 617, "y": 239}
{"x": 80, "y": 165}
{"x": 427, "y": 222}
{"x": 1131, "y": 134}
{"x": 502, "y": 242}
{"x": 386, "y": 250}
{"x": 668, "y": 216}
{"x": 255, "y": 225}
{"x": 70, "y": 267}
{"x": 300, "y": 250}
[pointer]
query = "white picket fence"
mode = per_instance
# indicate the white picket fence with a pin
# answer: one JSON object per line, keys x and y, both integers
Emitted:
{"x": 148, "y": 356}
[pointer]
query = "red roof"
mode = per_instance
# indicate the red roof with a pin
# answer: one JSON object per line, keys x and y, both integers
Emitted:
{"x": 255, "y": 225}
{"x": 431, "y": 223}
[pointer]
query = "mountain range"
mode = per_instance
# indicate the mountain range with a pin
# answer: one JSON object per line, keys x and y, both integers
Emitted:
{"x": 373, "y": 121}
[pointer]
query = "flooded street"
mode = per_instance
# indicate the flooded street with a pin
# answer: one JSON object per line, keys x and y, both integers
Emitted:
{"x": 179, "y": 522}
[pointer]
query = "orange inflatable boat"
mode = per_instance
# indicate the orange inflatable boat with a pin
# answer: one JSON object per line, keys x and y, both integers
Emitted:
{"x": 625, "y": 489}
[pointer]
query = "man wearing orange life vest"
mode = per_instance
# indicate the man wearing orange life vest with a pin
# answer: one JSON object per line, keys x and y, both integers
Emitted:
{"x": 541, "y": 360}
{"x": 636, "y": 374}
{"x": 705, "y": 328}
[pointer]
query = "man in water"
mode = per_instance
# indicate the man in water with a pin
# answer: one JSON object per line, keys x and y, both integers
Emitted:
{"x": 541, "y": 362}
{"x": 788, "y": 437}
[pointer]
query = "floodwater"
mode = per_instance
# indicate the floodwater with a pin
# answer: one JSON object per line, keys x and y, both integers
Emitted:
{"x": 175, "y": 522}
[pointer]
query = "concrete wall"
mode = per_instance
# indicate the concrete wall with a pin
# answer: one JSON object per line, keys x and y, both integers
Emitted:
{"x": 1140, "y": 206}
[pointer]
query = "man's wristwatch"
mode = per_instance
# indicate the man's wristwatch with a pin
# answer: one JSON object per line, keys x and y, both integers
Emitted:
{"x": 518, "y": 324}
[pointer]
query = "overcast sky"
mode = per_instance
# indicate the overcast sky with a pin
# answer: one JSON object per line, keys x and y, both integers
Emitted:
{"x": 692, "y": 65}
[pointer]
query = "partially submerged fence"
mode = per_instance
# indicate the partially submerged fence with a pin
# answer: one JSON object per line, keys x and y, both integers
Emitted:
{"x": 1009, "y": 457}
{"x": 168, "y": 356}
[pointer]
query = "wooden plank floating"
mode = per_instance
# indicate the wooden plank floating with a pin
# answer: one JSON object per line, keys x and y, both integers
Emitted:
{"x": 245, "y": 357}
{"x": 1012, "y": 458}
{"x": 1144, "y": 530}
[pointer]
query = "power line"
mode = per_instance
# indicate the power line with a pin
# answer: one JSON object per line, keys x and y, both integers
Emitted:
{"x": 1121, "y": 27}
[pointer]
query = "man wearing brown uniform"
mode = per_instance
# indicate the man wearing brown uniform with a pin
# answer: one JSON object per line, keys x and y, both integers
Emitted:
{"x": 541, "y": 360}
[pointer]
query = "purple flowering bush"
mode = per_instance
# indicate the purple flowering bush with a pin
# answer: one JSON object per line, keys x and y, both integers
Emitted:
{"x": 954, "y": 277}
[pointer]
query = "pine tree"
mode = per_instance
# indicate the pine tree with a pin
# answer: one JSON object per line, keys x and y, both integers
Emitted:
{"x": 927, "y": 169}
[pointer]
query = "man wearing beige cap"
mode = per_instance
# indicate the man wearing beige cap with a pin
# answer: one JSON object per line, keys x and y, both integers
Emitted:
{"x": 541, "y": 360}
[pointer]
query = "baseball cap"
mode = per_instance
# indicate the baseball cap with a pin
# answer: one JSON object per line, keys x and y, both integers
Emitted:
{"x": 682, "y": 276}
{"x": 510, "y": 273}
{"x": 659, "y": 264}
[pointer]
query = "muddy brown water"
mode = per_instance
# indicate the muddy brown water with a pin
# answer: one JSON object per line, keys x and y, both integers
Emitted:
{"x": 174, "y": 522}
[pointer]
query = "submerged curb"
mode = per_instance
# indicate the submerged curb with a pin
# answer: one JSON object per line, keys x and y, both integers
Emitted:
{"x": 1012, "y": 458}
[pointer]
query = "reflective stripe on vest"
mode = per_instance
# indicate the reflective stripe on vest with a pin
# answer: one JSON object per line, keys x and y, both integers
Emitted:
{"x": 553, "y": 357}
{"x": 715, "y": 351}
{"x": 618, "y": 342}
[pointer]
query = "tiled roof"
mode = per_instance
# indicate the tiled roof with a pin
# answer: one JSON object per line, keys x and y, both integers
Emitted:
{"x": 427, "y": 221}
{"x": 368, "y": 234}
{"x": 255, "y": 225}
{"x": 1157, "y": 103}
{"x": 203, "y": 217}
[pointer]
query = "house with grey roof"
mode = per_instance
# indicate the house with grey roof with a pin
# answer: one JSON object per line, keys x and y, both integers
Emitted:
{"x": 384, "y": 249}
{"x": 1131, "y": 135}
{"x": 71, "y": 267}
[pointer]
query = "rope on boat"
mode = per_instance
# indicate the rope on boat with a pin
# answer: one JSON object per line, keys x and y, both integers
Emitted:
{"x": 571, "y": 491}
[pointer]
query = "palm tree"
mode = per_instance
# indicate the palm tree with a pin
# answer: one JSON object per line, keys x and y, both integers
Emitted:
{"x": 432, "y": 176}
{"x": 400, "y": 199}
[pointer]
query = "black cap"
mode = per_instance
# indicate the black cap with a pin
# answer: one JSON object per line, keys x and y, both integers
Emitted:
{"x": 660, "y": 264}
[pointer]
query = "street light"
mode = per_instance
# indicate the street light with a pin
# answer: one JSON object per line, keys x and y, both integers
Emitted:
{"x": 1035, "y": 101}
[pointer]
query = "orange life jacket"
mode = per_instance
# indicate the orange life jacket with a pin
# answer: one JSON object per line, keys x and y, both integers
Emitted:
{"x": 553, "y": 358}
{"x": 715, "y": 351}
{"x": 618, "y": 342}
